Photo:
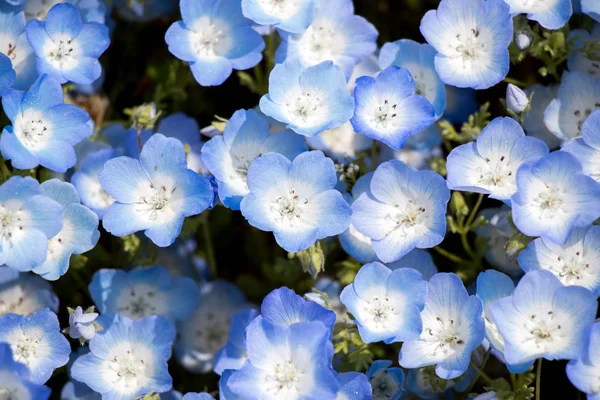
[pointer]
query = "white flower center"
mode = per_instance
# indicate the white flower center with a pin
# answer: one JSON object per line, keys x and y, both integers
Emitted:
{"x": 208, "y": 38}
{"x": 542, "y": 329}
{"x": 383, "y": 386}
{"x": 156, "y": 201}
{"x": 128, "y": 367}
{"x": 289, "y": 208}
{"x": 140, "y": 301}
{"x": 285, "y": 377}
{"x": 304, "y": 107}
{"x": 384, "y": 116}
{"x": 378, "y": 311}
{"x": 572, "y": 269}
{"x": 405, "y": 220}
{"x": 446, "y": 333}
{"x": 583, "y": 114}
{"x": 280, "y": 8}
{"x": 322, "y": 41}
{"x": 470, "y": 46}
{"x": 10, "y": 221}
{"x": 38, "y": 9}
{"x": 11, "y": 387}
{"x": 31, "y": 129}
{"x": 549, "y": 202}
{"x": 210, "y": 333}
{"x": 496, "y": 175}
{"x": 241, "y": 164}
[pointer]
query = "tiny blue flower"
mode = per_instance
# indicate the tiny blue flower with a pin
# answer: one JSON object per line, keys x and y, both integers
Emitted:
{"x": 591, "y": 8}
{"x": 246, "y": 137}
{"x": 287, "y": 15}
{"x": 387, "y": 108}
{"x": 523, "y": 40}
{"x": 419, "y": 260}
{"x": 37, "y": 342}
{"x": 14, "y": 378}
{"x": 91, "y": 10}
{"x": 533, "y": 121}
{"x": 85, "y": 180}
{"x": 587, "y": 148}
{"x": 354, "y": 386}
{"x": 516, "y": 99}
{"x": 497, "y": 232}
{"x": 341, "y": 144}
{"x": 81, "y": 325}
{"x": 21, "y": 70}
{"x": 386, "y": 382}
{"x": 295, "y": 200}
{"x": 545, "y": 319}
{"x": 472, "y": 38}
{"x": 386, "y": 304}
{"x": 584, "y": 372}
{"x": 553, "y": 197}
{"x": 404, "y": 209}
{"x": 550, "y": 14}
{"x": 44, "y": 129}
{"x": 578, "y": 60}
{"x": 233, "y": 355}
{"x": 308, "y": 100}
{"x": 452, "y": 329}
{"x": 67, "y": 49}
{"x": 24, "y": 294}
{"x": 154, "y": 193}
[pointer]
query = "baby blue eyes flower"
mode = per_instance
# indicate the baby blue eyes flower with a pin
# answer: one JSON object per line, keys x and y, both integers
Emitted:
{"x": 44, "y": 129}
{"x": 516, "y": 99}
{"x": 587, "y": 148}
{"x": 386, "y": 303}
{"x": 553, "y": 197}
{"x": 246, "y": 137}
{"x": 67, "y": 49}
{"x": 7, "y": 74}
{"x": 85, "y": 180}
{"x": 23, "y": 293}
{"x": 295, "y": 200}
{"x": 14, "y": 378}
{"x": 404, "y": 209}
{"x": 386, "y": 382}
{"x": 354, "y": 386}
{"x": 154, "y": 193}
{"x": 545, "y": 319}
{"x": 81, "y": 325}
{"x": 214, "y": 37}
{"x": 287, "y": 15}
{"x": 489, "y": 165}
{"x": 579, "y": 60}
{"x": 387, "y": 108}
{"x": 341, "y": 144}
{"x": 308, "y": 100}
{"x": 452, "y": 329}
{"x": 37, "y": 342}
{"x": 127, "y": 359}
{"x": 591, "y": 8}
{"x": 471, "y": 38}
{"x": 233, "y": 354}
{"x": 497, "y": 233}
{"x": 552, "y": 14}
{"x": 20, "y": 70}
{"x": 584, "y": 372}
{"x": 533, "y": 121}
{"x": 197, "y": 396}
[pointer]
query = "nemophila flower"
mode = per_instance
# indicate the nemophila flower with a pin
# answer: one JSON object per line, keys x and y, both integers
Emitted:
{"x": 144, "y": 291}
{"x": 404, "y": 209}
{"x": 516, "y": 99}
{"x": 44, "y": 129}
{"x": 419, "y": 260}
{"x": 452, "y": 328}
{"x": 523, "y": 39}
{"x": 489, "y": 165}
{"x": 533, "y": 121}
{"x": 335, "y": 34}
{"x": 387, "y": 108}
{"x": 471, "y": 38}
{"x": 20, "y": 71}
{"x": 14, "y": 378}
{"x": 550, "y": 14}
{"x": 7, "y": 74}
{"x": 127, "y": 359}
{"x": 295, "y": 200}
{"x": 186, "y": 129}
{"x": 74, "y": 390}
{"x": 367, "y": 67}
{"x": 36, "y": 341}
{"x": 354, "y": 386}
{"x": 287, "y": 15}
{"x": 233, "y": 355}
{"x": 425, "y": 384}
{"x": 67, "y": 49}
{"x": 587, "y": 148}
{"x": 308, "y": 100}
{"x": 197, "y": 396}
{"x": 385, "y": 303}
{"x": 497, "y": 232}
{"x": 553, "y": 197}
{"x": 386, "y": 382}
{"x": 578, "y": 97}
{"x": 286, "y": 363}
{"x": 215, "y": 38}
{"x": 579, "y": 61}
{"x": 591, "y": 8}
{"x": 144, "y": 10}
{"x": 85, "y": 180}
{"x": 91, "y": 10}
{"x": 81, "y": 324}
{"x": 22, "y": 293}
{"x": 545, "y": 319}
{"x": 418, "y": 150}
{"x": 584, "y": 372}
{"x": 341, "y": 143}
{"x": 246, "y": 137}
{"x": 154, "y": 193}
{"x": 419, "y": 59}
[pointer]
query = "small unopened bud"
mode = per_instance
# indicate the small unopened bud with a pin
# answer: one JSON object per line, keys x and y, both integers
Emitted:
{"x": 82, "y": 324}
{"x": 516, "y": 99}
{"x": 523, "y": 40}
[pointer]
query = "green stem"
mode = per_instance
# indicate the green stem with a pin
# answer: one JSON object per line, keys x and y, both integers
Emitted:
{"x": 373, "y": 154}
{"x": 474, "y": 211}
{"x": 451, "y": 256}
{"x": 538, "y": 380}
{"x": 481, "y": 374}
{"x": 515, "y": 82}
{"x": 513, "y": 381}
{"x": 477, "y": 376}
{"x": 209, "y": 249}
{"x": 465, "y": 243}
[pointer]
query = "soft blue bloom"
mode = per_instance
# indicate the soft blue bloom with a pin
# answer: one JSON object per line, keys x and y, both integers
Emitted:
{"x": 85, "y": 180}
{"x": 341, "y": 144}
{"x": 472, "y": 38}
{"x": 215, "y": 38}
{"x": 553, "y": 197}
{"x": 44, "y": 129}
{"x": 578, "y": 60}
{"x": 286, "y": 363}
{"x": 587, "y": 148}
{"x": 533, "y": 121}
{"x": 578, "y": 96}
{"x": 233, "y": 355}
{"x": 545, "y": 319}
{"x": 335, "y": 34}
{"x": 197, "y": 396}
{"x": 419, "y": 59}
{"x": 186, "y": 129}
{"x": 81, "y": 325}
{"x": 453, "y": 328}
{"x": 14, "y": 378}
{"x": 246, "y": 137}
{"x": 497, "y": 232}
{"x": 354, "y": 386}
{"x": 308, "y": 100}
{"x": 22, "y": 293}
{"x": 591, "y": 8}
{"x": 418, "y": 150}
{"x": 385, "y": 303}
{"x": 225, "y": 392}
{"x": 404, "y": 209}
{"x": 74, "y": 390}
{"x": 584, "y": 372}
{"x": 37, "y": 342}
{"x": 127, "y": 359}
{"x": 489, "y": 165}
{"x": 367, "y": 67}
{"x": 419, "y": 260}
{"x": 144, "y": 291}
{"x": 91, "y": 10}
{"x": 295, "y": 200}
{"x": 7, "y": 74}
{"x": 30, "y": 219}
{"x": 552, "y": 14}
{"x": 387, "y": 108}
{"x": 20, "y": 70}
{"x": 287, "y": 15}
{"x": 154, "y": 193}
{"x": 144, "y": 10}
{"x": 67, "y": 49}
{"x": 516, "y": 99}
{"x": 523, "y": 39}
{"x": 386, "y": 382}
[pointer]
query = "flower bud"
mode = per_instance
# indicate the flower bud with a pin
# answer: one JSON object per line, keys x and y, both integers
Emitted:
{"x": 516, "y": 99}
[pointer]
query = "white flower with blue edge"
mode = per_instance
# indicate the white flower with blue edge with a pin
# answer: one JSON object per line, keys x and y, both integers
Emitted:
{"x": 551, "y": 14}
{"x": 341, "y": 144}
{"x": 15, "y": 46}
{"x": 354, "y": 386}
{"x": 471, "y": 38}
{"x": 14, "y": 378}
{"x": 85, "y": 180}
{"x": 233, "y": 355}
{"x": 386, "y": 382}
{"x": 591, "y": 8}
{"x": 23, "y": 293}
{"x": 287, "y": 15}
{"x": 587, "y": 148}
{"x": 584, "y": 372}
{"x": 578, "y": 60}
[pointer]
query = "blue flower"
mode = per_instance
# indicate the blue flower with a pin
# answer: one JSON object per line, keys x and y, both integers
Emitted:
{"x": 386, "y": 382}
{"x": 44, "y": 129}
{"x": 387, "y": 108}
{"x": 419, "y": 60}
{"x": 37, "y": 342}
{"x": 214, "y": 38}
{"x": 233, "y": 354}
{"x": 127, "y": 359}
{"x": 144, "y": 291}
{"x": 22, "y": 293}
{"x": 295, "y": 200}
{"x": 545, "y": 319}
{"x": 587, "y": 148}
{"x": 154, "y": 193}
{"x": 404, "y": 209}
{"x": 452, "y": 329}
{"x": 246, "y": 137}
{"x": 591, "y": 8}
{"x": 287, "y": 15}
{"x": 419, "y": 260}
{"x": 472, "y": 38}
{"x": 553, "y": 197}
{"x": 550, "y": 14}
{"x": 20, "y": 71}
{"x": 91, "y": 10}
{"x": 7, "y": 74}
{"x": 341, "y": 144}
{"x": 67, "y": 49}
{"x": 197, "y": 396}
{"x": 516, "y": 99}
{"x": 225, "y": 392}
{"x": 497, "y": 232}
{"x": 533, "y": 121}
{"x": 354, "y": 386}
{"x": 308, "y": 100}
{"x": 186, "y": 129}
{"x": 14, "y": 378}
{"x": 584, "y": 371}
{"x": 489, "y": 165}
{"x": 85, "y": 180}
{"x": 385, "y": 303}
{"x": 81, "y": 324}
{"x": 74, "y": 390}
{"x": 578, "y": 61}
